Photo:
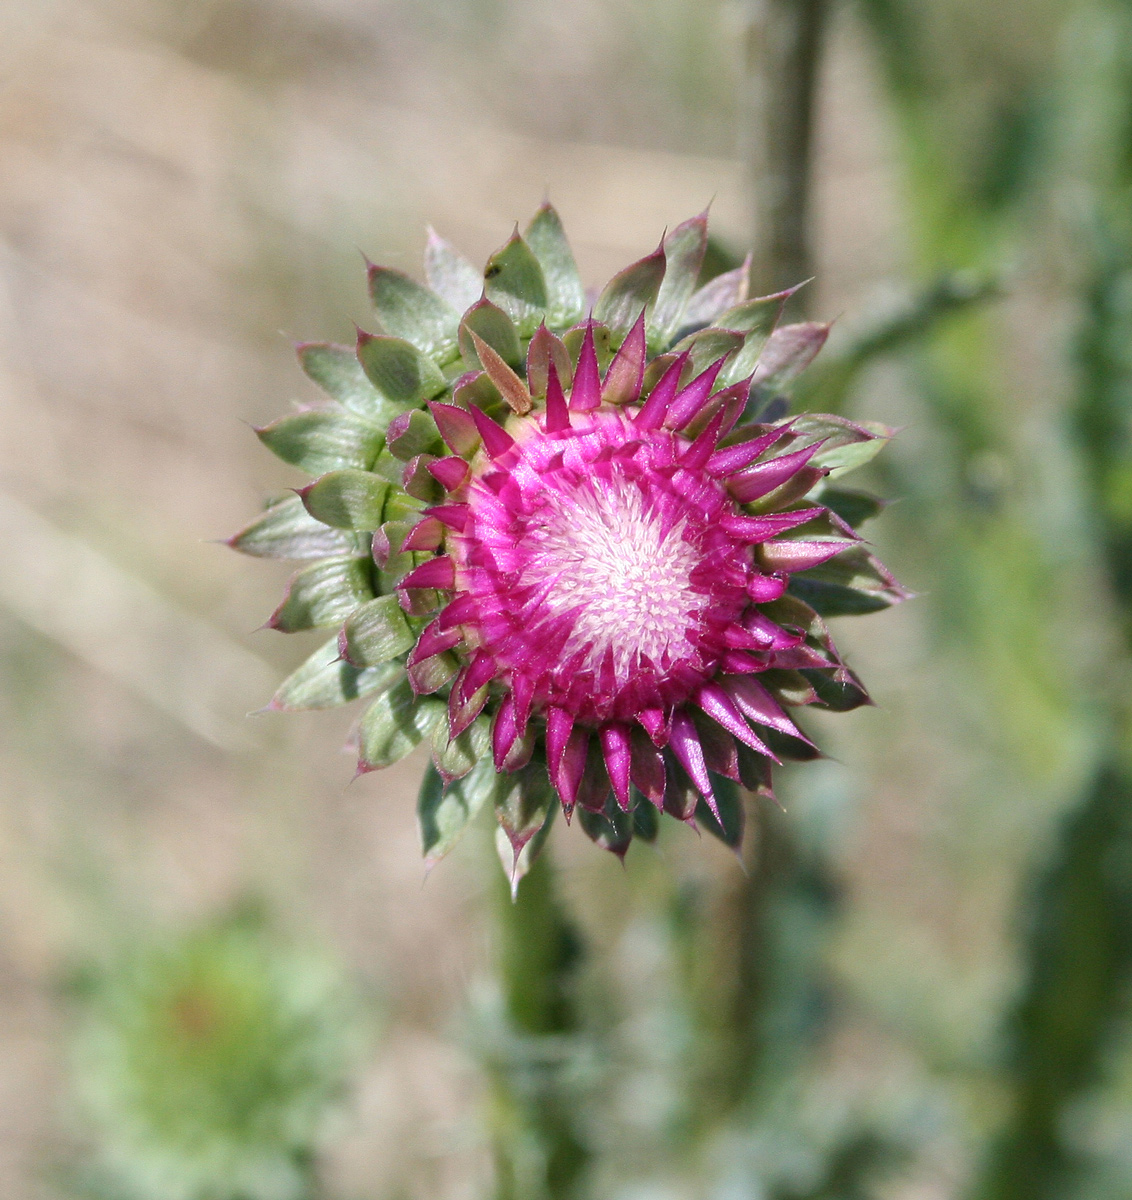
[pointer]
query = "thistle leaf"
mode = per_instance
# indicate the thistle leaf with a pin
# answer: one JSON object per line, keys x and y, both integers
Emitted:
{"x": 326, "y": 680}
{"x": 839, "y": 692}
{"x": 525, "y": 859}
{"x": 412, "y": 433}
{"x": 760, "y": 313}
{"x": 443, "y": 812}
{"x": 566, "y": 298}
{"x": 852, "y": 583}
{"x": 755, "y": 318}
{"x": 337, "y": 371}
{"x": 853, "y": 507}
{"x": 717, "y": 296}
{"x": 684, "y": 255}
{"x": 544, "y": 349}
{"x": 525, "y": 803}
{"x": 848, "y": 444}
{"x": 450, "y": 275}
{"x": 394, "y": 725}
{"x": 323, "y": 594}
{"x": 646, "y": 819}
{"x": 287, "y": 530}
{"x": 729, "y": 827}
{"x": 513, "y": 278}
{"x": 611, "y": 829}
{"x": 431, "y": 674}
{"x": 788, "y": 352}
{"x": 454, "y": 757}
{"x": 709, "y": 345}
{"x": 522, "y": 800}
{"x": 347, "y": 499}
{"x": 603, "y": 346}
{"x": 399, "y": 371}
{"x": 409, "y": 311}
{"x": 321, "y": 441}
{"x": 375, "y": 632}
{"x": 495, "y": 327}
{"x": 630, "y": 292}
{"x": 419, "y": 482}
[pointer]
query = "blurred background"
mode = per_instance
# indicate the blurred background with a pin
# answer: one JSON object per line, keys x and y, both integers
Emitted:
{"x": 223, "y": 973}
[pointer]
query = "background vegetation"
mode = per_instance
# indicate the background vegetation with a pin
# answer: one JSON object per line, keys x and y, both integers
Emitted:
{"x": 221, "y": 976}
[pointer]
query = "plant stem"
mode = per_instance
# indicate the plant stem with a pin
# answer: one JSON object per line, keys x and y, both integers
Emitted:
{"x": 784, "y": 57}
{"x": 538, "y": 1153}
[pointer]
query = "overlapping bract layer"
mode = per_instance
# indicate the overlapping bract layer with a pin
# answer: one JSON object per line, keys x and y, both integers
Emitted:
{"x": 582, "y": 554}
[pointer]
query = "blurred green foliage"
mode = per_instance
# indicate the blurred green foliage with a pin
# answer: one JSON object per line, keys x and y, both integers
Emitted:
{"x": 208, "y": 1063}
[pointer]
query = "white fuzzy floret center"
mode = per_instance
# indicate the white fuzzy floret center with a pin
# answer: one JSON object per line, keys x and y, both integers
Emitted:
{"x": 603, "y": 555}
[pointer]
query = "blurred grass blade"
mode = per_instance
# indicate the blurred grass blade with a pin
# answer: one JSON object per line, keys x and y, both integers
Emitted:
{"x": 123, "y": 627}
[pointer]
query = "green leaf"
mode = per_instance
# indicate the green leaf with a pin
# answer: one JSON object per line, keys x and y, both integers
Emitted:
{"x": 348, "y": 499}
{"x": 400, "y": 506}
{"x": 389, "y": 467}
{"x": 628, "y": 292}
{"x": 321, "y": 441}
{"x": 717, "y": 296}
{"x": 337, "y": 371}
{"x": 455, "y": 757}
{"x": 611, "y": 829}
{"x": 443, "y": 813}
{"x": 287, "y": 530}
{"x": 710, "y": 345}
{"x": 394, "y": 563}
{"x": 853, "y": 582}
{"x": 837, "y": 691}
{"x": 490, "y": 323}
{"x": 788, "y": 352}
{"x": 835, "y": 599}
{"x": 376, "y": 632}
{"x": 395, "y": 724}
{"x": 684, "y": 254}
{"x": 403, "y": 375}
{"x": 449, "y": 273}
{"x": 758, "y": 314}
{"x": 513, "y": 278}
{"x": 848, "y": 445}
{"x": 434, "y": 672}
{"x": 518, "y": 865}
{"x": 323, "y": 594}
{"x": 414, "y": 433}
{"x": 853, "y": 507}
{"x": 756, "y": 319}
{"x": 646, "y": 819}
{"x": 326, "y": 680}
{"x": 525, "y": 803}
{"x": 603, "y": 345}
{"x": 418, "y": 481}
{"x": 755, "y": 769}
{"x": 566, "y": 298}
{"x": 729, "y": 829}
{"x": 480, "y": 392}
{"x": 409, "y": 311}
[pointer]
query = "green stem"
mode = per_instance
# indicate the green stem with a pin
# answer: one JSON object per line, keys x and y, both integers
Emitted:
{"x": 784, "y": 58}
{"x": 538, "y": 1153}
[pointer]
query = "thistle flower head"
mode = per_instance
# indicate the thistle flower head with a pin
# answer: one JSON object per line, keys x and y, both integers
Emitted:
{"x": 600, "y": 554}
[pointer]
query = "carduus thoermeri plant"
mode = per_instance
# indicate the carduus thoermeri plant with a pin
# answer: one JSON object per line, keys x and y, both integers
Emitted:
{"x": 577, "y": 546}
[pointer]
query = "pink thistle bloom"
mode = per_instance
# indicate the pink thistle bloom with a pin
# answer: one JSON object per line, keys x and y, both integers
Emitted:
{"x": 598, "y": 570}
